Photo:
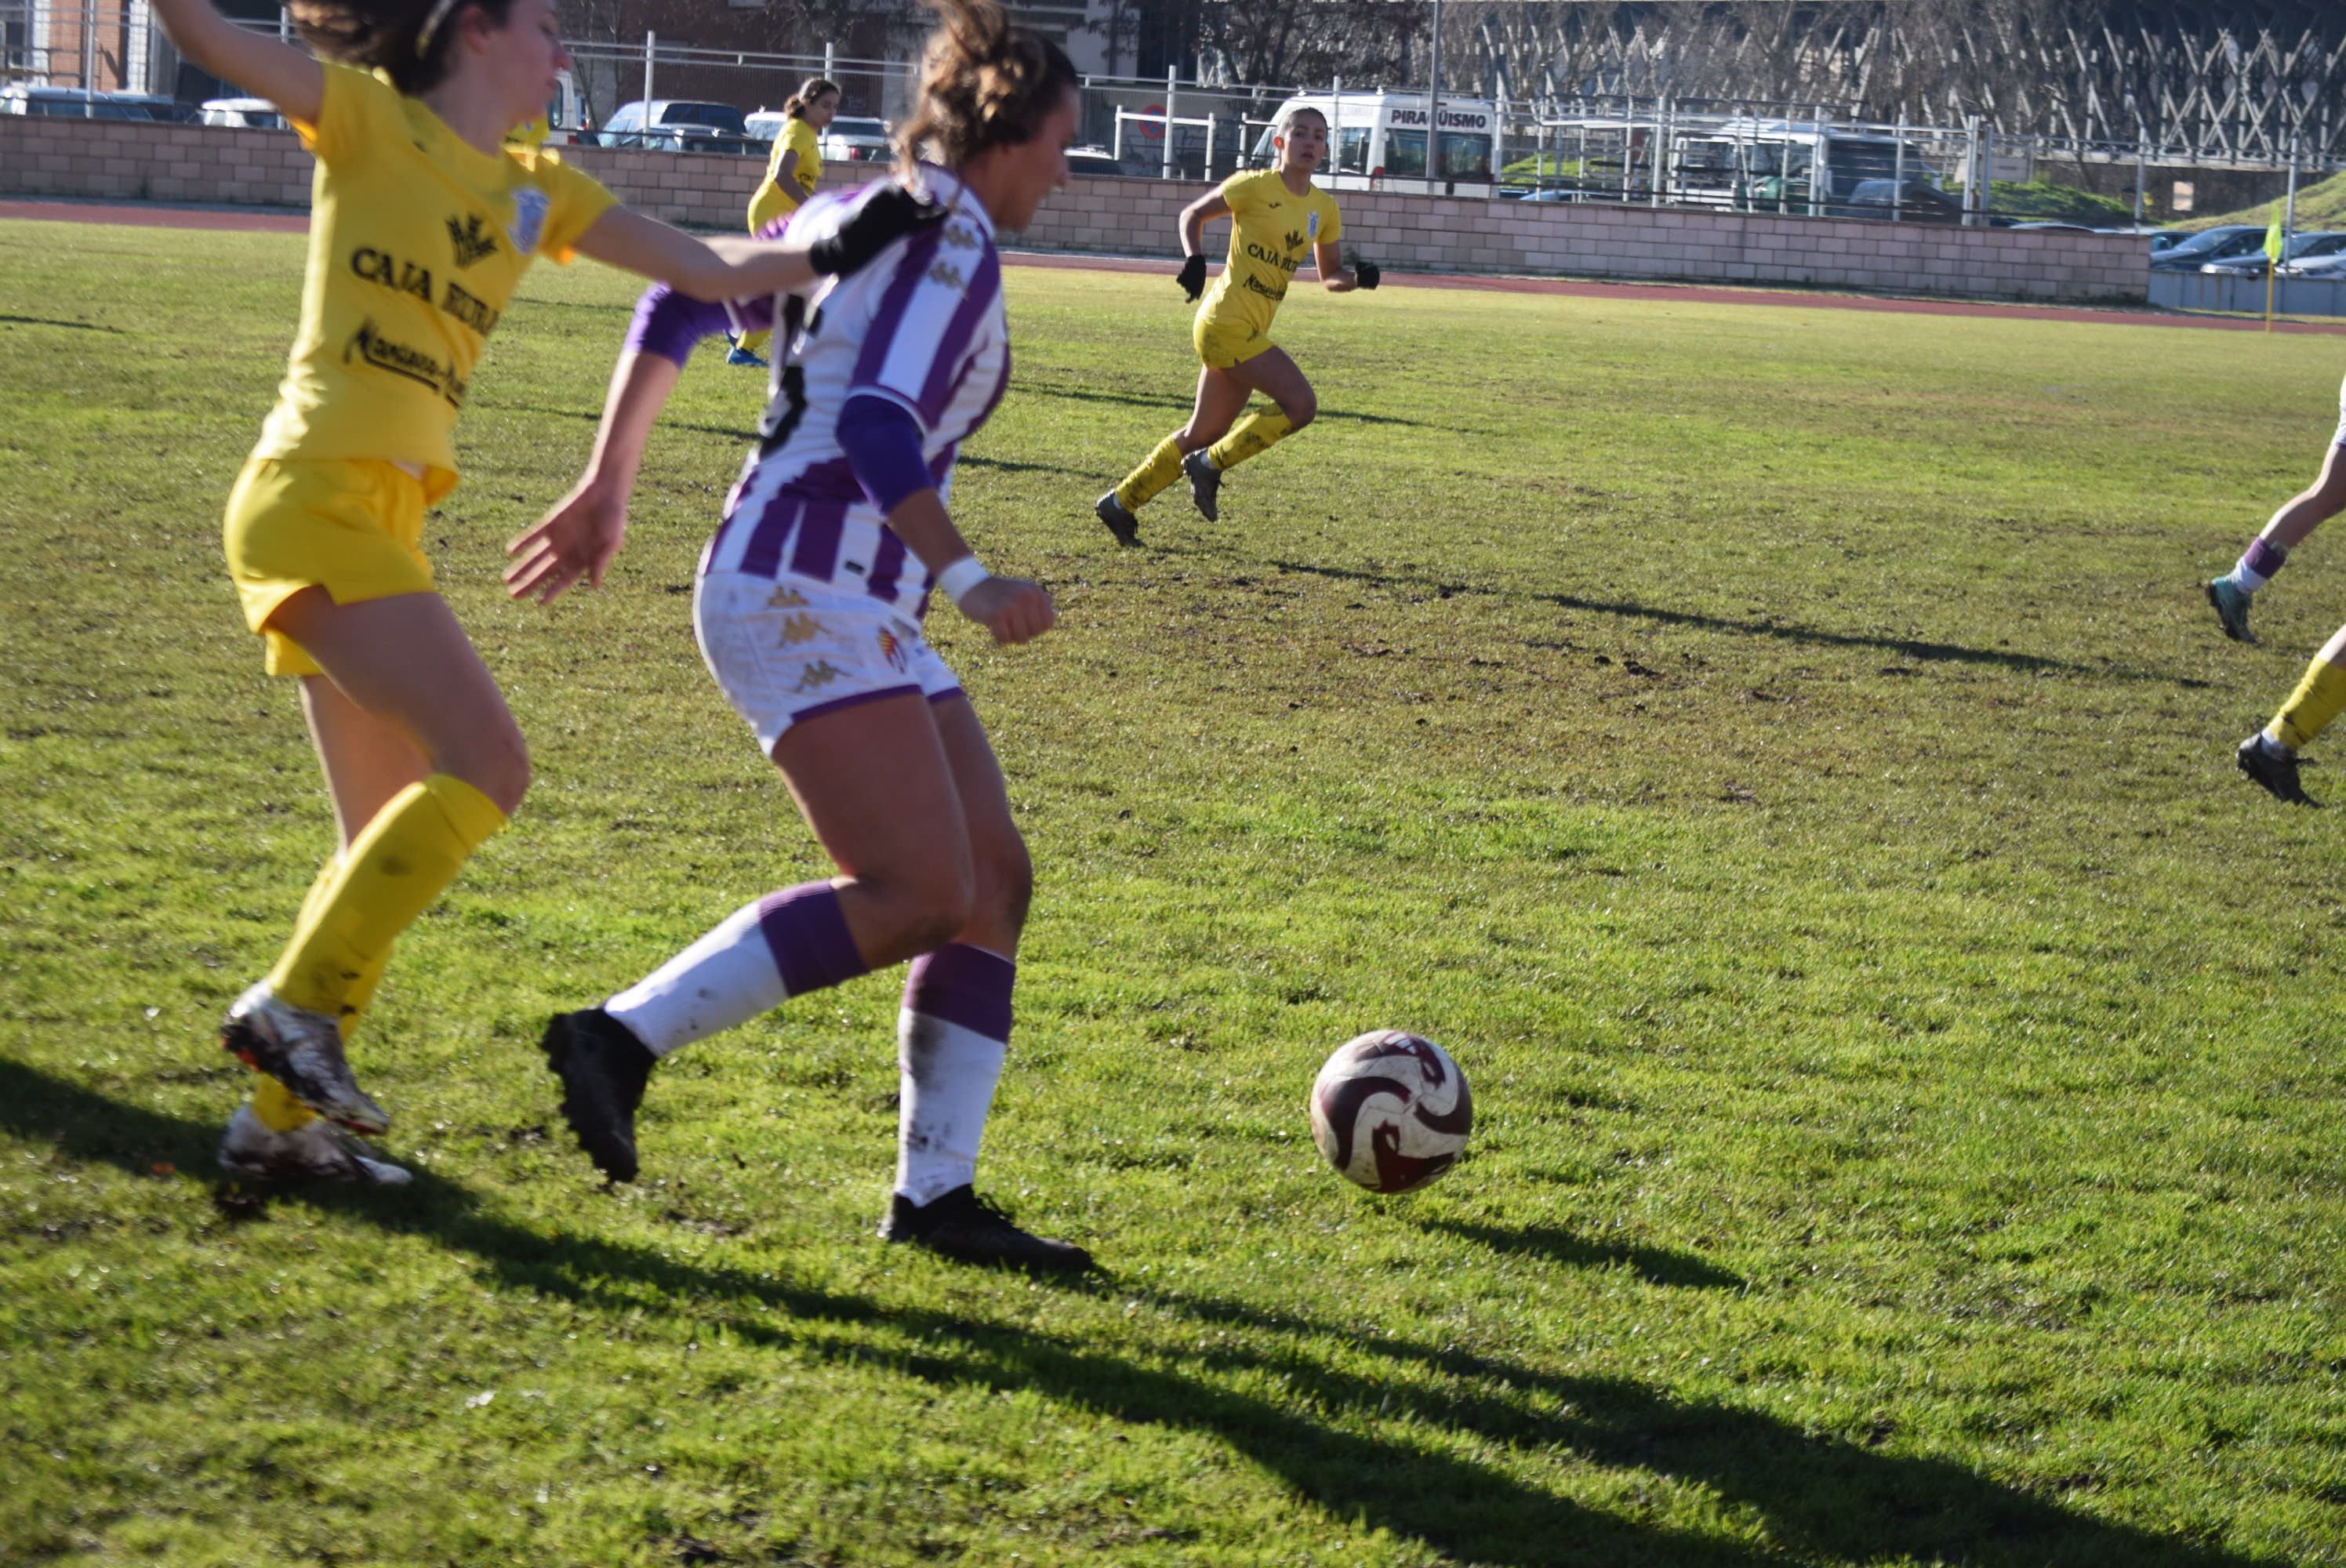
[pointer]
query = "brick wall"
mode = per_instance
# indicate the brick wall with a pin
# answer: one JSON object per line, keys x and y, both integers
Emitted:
{"x": 127, "y": 161}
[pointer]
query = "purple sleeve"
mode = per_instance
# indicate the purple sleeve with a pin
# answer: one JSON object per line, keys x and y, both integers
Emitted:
{"x": 882, "y": 445}
{"x": 668, "y": 323}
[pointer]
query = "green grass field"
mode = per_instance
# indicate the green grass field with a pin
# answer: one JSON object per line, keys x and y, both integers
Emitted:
{"x": 1783, "y": 752}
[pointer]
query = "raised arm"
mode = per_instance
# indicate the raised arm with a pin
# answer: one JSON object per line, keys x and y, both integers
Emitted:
{"x": 743, "y": 268}
{"x": 263, "y": 66}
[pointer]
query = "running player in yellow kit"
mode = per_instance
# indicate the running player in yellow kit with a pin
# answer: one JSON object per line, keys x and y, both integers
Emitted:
{"x": 1279, "y": 219}
{"x": 793, "y": 171}
{"x": 422, "y": 222}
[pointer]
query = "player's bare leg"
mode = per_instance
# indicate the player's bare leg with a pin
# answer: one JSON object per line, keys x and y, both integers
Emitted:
{"x": 402, "y": 671}
{"x": 954, "y": 1032}
{"x": 2268, "y": 551}
{"x": 1278, "y": 377}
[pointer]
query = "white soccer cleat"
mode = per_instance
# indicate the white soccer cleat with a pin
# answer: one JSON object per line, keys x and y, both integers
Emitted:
{"x": 302, "y": 1051}
{"x": 314, "y": 1151}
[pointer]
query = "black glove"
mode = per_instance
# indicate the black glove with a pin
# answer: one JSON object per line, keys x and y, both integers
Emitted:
{"x": 881, "y": 218}
{"x": 1367, "y": 274}
{"x": 1193, "y": 277}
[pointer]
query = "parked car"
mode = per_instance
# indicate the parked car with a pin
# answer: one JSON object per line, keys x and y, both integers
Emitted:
{"x": 679, "y": 125}
{"x": 2165, "y": 239}
{"x": 2302, "y": 247}
{"x": 251, "y": 114}
{"x": 2330, "y": 267}
{"x": 856, "y": 138}
{"x": 76, "y": 103}
{"x": 2209, "y": 245}
{"x": 1919, "y": 201}
{"x": 2054, "y": 226}
{"x": 1100, "y": 160}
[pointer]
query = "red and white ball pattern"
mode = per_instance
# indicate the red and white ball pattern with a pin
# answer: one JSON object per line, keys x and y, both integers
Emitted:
{"x": 1391, "y": 1111}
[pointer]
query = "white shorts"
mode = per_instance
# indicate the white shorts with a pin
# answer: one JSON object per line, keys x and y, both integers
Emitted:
{"x": 788, "y": 649}
{"x": 2340, "y": 439}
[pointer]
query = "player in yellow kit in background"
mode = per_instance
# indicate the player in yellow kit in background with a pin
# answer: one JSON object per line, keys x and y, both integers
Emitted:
{"x": 422, "y": 222}
{"x": 793, "y": 171}
{"x": 1279, "y": 219}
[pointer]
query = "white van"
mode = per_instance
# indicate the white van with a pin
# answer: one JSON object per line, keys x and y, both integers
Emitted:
{"x": 1377, "y": 139}
{"x": 247, "y": 114}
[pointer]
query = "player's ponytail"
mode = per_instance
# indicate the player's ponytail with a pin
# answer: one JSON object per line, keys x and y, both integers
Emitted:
{"x": 809, "y": 91}
{"x": 985, "y": 83}
{"x": 411, "y": 41}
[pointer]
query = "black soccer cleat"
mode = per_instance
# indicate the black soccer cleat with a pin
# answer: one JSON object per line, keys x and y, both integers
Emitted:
{"x": 1118, "y": 517}
{"x": 2276, "y": 774}
{"x": 603, "y": 1068}
{"x": 1205, "y": 484}
{"x": 968, "y": 1229}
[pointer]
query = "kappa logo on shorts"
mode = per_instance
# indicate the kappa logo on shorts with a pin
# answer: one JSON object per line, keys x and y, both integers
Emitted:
{"x": 786, "y": 599}
{"x": 800, "y": 628}
{"x": 472, "y": 243}
{"x": 820, "y": 674}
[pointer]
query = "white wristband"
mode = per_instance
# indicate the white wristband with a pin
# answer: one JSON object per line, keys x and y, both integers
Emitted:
{"x": 956, "y": 580}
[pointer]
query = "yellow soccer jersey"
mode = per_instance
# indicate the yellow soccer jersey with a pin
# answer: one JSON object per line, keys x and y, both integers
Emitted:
{"x": 774, "y": 198}
{"x": 416, "y": 241}
{"x": 1272, "y": 231}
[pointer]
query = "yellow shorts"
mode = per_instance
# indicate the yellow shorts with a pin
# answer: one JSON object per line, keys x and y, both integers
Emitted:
{"x": 1223, "y": 344}
{"x": 352, "y": 526}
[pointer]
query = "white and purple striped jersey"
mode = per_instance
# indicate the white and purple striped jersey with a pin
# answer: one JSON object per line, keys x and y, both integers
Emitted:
{"x": 920, "y": 327}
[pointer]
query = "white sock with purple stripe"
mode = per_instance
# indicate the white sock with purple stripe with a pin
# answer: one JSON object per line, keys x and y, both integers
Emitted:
{"x": 785, "y": 944}
{"x": 952, "y": 1039}
{"x": 2259, "y": 565}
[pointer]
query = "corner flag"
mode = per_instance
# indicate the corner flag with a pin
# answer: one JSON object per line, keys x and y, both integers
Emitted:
{"x": 2274, "y": 243}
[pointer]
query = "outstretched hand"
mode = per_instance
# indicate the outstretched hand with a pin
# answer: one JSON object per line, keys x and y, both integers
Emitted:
{"x": 577, "y": 538}
{"x": 1193, "y": 277}
{"x": 879, "y": 220}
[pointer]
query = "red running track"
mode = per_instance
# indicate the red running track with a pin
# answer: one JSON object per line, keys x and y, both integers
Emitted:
{"x": 277, "y": 221}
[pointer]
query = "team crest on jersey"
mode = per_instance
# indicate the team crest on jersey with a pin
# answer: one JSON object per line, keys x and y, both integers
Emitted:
{"x": 471, "y": 238}
{"x": 818, "y": 675}
{"x": 1312, "y": 225}
{"x": 892, "y": 649}
{"x": 529, "y": 218}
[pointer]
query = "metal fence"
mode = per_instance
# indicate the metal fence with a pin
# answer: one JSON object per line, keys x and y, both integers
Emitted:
{"x": 1656, "y": 151}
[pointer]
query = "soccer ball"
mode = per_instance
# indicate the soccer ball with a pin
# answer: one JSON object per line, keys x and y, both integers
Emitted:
{"x": 1391, "y": 1111}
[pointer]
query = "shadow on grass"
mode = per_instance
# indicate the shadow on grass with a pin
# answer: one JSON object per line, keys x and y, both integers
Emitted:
{"x": 750, "y": 438}
{"x": 1905, "y": 647}
{"x": 1387, "y": 1448}
{"x": 1653, "y": 1264}
{"x": 1177, "y": 406}
{"x": 46, "y": 321}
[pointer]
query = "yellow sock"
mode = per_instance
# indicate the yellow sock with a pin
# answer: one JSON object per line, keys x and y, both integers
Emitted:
{"x": 1256, "y": 434}
{"x": 1161, "y": 468}
{"x": 389, "y": 875}
{"x": 278, "y": 1111}
{"x": 2320, "y": 698}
